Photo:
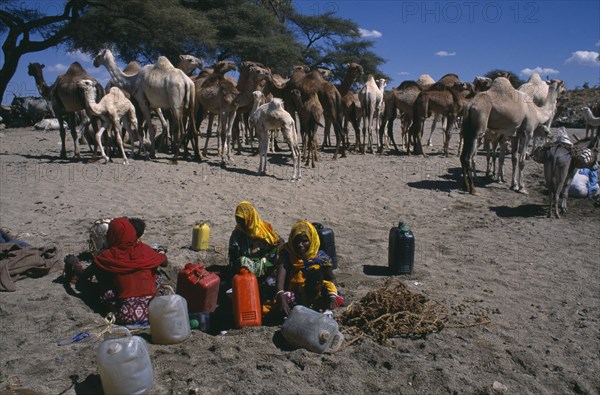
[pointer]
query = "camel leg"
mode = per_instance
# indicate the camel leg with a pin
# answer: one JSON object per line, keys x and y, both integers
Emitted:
{"x": 120, "y": 143}
{"x": 263, "y": 146}
{"x": 327, "y": 133}
{"x": 436, "y": 118}
{"x": 98, "y": 137}
{"x": 208, "y": 132}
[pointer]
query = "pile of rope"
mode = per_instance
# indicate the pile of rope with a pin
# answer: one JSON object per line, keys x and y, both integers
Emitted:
{"x": 395, "y": 311}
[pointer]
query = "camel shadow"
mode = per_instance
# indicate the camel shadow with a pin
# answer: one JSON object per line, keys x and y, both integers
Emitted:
{"x": 523, "y": 211}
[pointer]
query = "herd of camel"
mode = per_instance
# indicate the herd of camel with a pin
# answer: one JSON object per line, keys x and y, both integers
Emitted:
{"x": 490, "y": 108}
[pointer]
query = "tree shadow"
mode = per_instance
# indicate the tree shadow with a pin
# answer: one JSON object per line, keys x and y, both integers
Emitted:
{"x": 523, "y": 211}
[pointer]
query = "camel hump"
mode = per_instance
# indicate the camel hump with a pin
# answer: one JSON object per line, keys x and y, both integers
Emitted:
{"x": 535, "y": 78}
{"x": 76, "y": 69}
{"x": 501, "y": 84}
{"x": 163, "y": 63}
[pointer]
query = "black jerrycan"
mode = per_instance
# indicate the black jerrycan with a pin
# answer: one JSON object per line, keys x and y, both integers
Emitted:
{"x": 401, "y": 251}
{"x": 327, "y": 239}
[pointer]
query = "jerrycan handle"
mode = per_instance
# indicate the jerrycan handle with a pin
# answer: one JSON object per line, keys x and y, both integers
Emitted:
{"x": 168, "y": 290}
{"x": 117, "y": 332}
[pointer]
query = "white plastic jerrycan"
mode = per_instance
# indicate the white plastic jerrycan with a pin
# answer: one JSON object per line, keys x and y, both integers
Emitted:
{"x": 169, "y": 320}
{"x": 309, "y": 329}
{"x": 124, "y": 364}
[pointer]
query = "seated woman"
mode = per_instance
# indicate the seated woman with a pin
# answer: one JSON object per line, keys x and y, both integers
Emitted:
{"x": 304, "y": 273}
{"x": 127, "y": 272}
{"x": 253, "y": 245}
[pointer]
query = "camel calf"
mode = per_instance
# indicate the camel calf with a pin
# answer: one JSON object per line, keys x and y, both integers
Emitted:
{"x": 272, "y": 116}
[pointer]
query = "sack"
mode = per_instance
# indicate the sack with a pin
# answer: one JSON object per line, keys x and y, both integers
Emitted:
{"x": 98, "y": 232}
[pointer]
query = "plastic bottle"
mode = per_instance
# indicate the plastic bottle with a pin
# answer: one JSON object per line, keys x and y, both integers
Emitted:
{"x": 401, "y": 250}
{"x": 169, "y": 320}
{"x": 245, "y": 298}
{"x": 309, "y": 329}
{"x": 124, "y": 365}
{"x": 200, "y": 236}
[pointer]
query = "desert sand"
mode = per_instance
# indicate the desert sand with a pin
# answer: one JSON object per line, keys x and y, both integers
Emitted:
{"x": 495, "y": 255}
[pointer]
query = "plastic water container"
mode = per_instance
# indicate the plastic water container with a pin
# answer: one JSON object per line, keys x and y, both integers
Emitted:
{"x": 124, "y": 365}
{"x": 309, "y": 329}
{"x": 401, "y": 250}
{"x": 247, "y": 310}
{"x": 327, "y": 239}
{"x": 168, "y": 316}
{"x": 200, "y": 236}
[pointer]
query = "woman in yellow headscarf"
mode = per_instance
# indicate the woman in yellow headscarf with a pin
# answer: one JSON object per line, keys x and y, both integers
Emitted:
{"x": 304, "y": 272}
{"x": 253, "y": 243}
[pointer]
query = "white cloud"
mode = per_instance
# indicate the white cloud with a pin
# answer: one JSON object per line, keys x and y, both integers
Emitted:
{"x": 403, "y": 73}
{"x": 80, "y": 56}
{"x": 584, "y": 58}
{"x": 369, "y": 33}
{"x": 58, "y": 68}
{"x": 445, "y": 53}
{"x": 540, "y": 70}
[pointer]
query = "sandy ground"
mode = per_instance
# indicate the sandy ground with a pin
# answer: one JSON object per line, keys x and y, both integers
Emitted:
{"x": 494, "y": 255}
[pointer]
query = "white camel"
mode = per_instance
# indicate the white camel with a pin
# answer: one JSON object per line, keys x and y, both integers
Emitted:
{"x": 371, "y": 99}
{"x": 189, "y": 63}
{"x": 112, "y": 109}
{"x": 160, "y": 85}
{"x": 504, "y": 110}
{"x": 272, "y": 116}
{"x": 591, "y": 122}
{"x": 537, "y": 90}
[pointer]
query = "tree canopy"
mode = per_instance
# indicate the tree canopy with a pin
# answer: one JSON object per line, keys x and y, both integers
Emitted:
{"x": 266, "y": 31}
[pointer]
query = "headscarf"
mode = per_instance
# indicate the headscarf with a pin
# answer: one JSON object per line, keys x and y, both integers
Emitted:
{"x": 254, "y": 226}
{"x": 303, "y": 228}
{"x": 129, "y": 259}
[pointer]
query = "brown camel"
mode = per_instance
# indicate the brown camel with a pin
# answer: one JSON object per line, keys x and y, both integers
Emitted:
{"x": 309, "y": 83}
{"x": 252, "y": 76}
{"x": 351, "y": 111}
{"x": 438, "y": 99}
{"x": 399, "y": 100}
{"x": 68, "y": 98}
{"x": 310, "y": 111}
{"x": 216, "y": 94}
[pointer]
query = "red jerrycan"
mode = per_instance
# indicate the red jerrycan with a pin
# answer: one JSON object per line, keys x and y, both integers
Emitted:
{"x": 247, "y": 309}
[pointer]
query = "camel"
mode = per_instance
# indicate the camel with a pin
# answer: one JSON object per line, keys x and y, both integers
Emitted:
{"x": 252, "y": 75}
{"x": 400, "y": 99}
{"x": 537, "y": 90}
{"x": 219, "y": 68}
{"x": 351, "y": 111}
{"x": 189, "y": 63}
{"x": 438, "y": 99}
{"x": 113, "y": 109}
{"x": 272, "y": 116}
{"x": 448, "y": 81}
{"x": 36, "y": 71}
{"x": 160, "y": 85}
{"x": 216, "y": 94}
{"x": 371, "y": 99}
{"x": 68, "y": 98}
{"x": 310, "y": 111}
{"x": 504, "y": 110}
{"x": 330, "y": 98}
{"x": 591, "y": 122}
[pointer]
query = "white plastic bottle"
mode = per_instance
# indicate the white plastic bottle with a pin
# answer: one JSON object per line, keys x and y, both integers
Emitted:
{"x": 169, "y": 320}
{"x": 309, "y": 329}
{"x": 124, "y": 365}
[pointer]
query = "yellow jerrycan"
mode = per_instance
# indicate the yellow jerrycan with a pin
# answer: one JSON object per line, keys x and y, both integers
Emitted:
{"x": 200, "y": 236}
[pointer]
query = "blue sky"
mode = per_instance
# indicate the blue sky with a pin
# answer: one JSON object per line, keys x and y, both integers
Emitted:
{"x": 558, "y": 39}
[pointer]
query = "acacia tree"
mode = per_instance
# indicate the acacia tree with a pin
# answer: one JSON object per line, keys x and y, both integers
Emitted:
{"x": 332, "y": 42}
{"x": 30, "y": 30}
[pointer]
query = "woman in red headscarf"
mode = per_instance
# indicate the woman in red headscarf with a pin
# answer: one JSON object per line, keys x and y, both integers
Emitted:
{"x": 127, "y": 271}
